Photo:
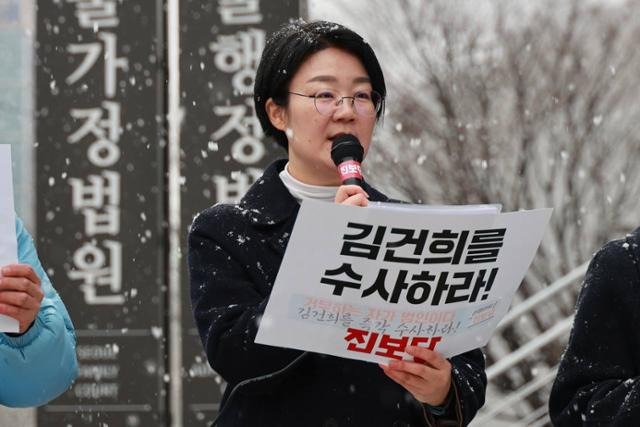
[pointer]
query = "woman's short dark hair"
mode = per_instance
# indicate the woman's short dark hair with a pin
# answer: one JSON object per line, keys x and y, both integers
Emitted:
{"x": 289, "y": 47}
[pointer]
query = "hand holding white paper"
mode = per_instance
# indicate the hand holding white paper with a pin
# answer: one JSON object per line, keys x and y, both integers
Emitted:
{"x": 8, "y": 244}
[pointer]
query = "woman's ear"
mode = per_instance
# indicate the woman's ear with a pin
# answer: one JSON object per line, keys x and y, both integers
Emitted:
{"x": 277, "y": 114}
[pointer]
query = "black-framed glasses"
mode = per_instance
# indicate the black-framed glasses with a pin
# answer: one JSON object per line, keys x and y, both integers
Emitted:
{"x": 327, "y": 101}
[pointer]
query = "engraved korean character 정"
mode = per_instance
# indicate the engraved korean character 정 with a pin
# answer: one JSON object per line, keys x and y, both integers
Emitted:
{"x": 103, "y": 150}
{"x": 242, "y": 121}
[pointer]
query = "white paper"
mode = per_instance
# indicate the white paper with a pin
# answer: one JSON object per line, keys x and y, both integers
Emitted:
{"x": 8, "y": 243}
{"x": 303, "y": 313}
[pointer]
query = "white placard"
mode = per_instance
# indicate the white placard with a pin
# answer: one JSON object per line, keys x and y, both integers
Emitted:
{"x": 8, "y": 243}
{"x": 364, "y": 283}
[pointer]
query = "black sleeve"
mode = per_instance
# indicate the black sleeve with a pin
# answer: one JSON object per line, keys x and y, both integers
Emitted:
{"x": 597, "y": 381}
{"x": 227, "y": 305}
{"x": 468, "y": 385}
{"x": 470, "y": 382}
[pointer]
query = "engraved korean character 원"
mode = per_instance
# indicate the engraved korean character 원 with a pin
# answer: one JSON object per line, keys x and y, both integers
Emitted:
{"x": 100, "y": 271}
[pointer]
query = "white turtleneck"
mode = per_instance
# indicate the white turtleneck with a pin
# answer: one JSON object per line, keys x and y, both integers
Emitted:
{"x": 300, "y": 191}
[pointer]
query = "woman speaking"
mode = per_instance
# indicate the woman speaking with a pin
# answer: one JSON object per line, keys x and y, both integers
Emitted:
{"x": 315, "y": 82}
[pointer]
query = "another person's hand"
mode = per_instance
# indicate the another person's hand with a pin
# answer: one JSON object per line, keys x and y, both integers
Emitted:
{"x": 352, "y": 195}
{"x": 20, "y": 294}
{"x": 429, "y": 382}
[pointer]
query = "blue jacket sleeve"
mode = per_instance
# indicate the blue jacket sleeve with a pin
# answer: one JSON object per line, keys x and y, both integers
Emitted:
{"x": 40, "y": 364}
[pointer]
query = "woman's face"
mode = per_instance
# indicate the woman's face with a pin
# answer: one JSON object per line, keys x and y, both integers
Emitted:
{"x": 310, "y": 133}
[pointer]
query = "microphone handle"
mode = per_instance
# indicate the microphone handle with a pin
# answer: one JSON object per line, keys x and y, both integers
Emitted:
{"x": 351, "y": 177}
{"x": 352, "y": 181}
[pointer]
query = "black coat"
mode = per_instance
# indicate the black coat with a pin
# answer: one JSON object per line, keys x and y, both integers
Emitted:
{"x": 235, "y": 252}
{"x": 598, "y": 382}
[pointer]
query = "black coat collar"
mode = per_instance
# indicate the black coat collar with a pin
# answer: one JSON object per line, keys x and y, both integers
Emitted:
{"x": 269, "y": 203}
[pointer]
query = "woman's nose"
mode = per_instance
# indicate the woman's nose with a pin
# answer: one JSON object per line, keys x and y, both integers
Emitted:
{"x": 345, "y": 109}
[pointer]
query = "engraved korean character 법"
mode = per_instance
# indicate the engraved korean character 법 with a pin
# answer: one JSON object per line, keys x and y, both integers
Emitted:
{"x": 340, "y": 284}
{"x": 360, "y": 249}
{"x": 239, "y": 12}
{"x": 239, "y": 54}
{"x": 407, "y": 240}
{"x": 359, "y": 336}
{"x": 446, "y": 243}
{"x": 91, "y": 52}
{"x": 103, "y": 151}
{"x": 101, "y": 276}
{"x": 96, "y": 14}
{"x": 99, "y": 202}
{"x": 230, "y": 189}
{"x": 485, "y": 246}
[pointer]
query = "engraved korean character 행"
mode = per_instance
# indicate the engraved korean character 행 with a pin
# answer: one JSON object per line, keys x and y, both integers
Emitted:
{"x": 239, "y": 54}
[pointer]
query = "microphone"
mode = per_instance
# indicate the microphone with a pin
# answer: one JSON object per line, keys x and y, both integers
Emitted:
{"x": 347, "y": 152}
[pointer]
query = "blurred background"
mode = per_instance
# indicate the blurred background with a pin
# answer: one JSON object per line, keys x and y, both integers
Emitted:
{"x": 127, "y": 118}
